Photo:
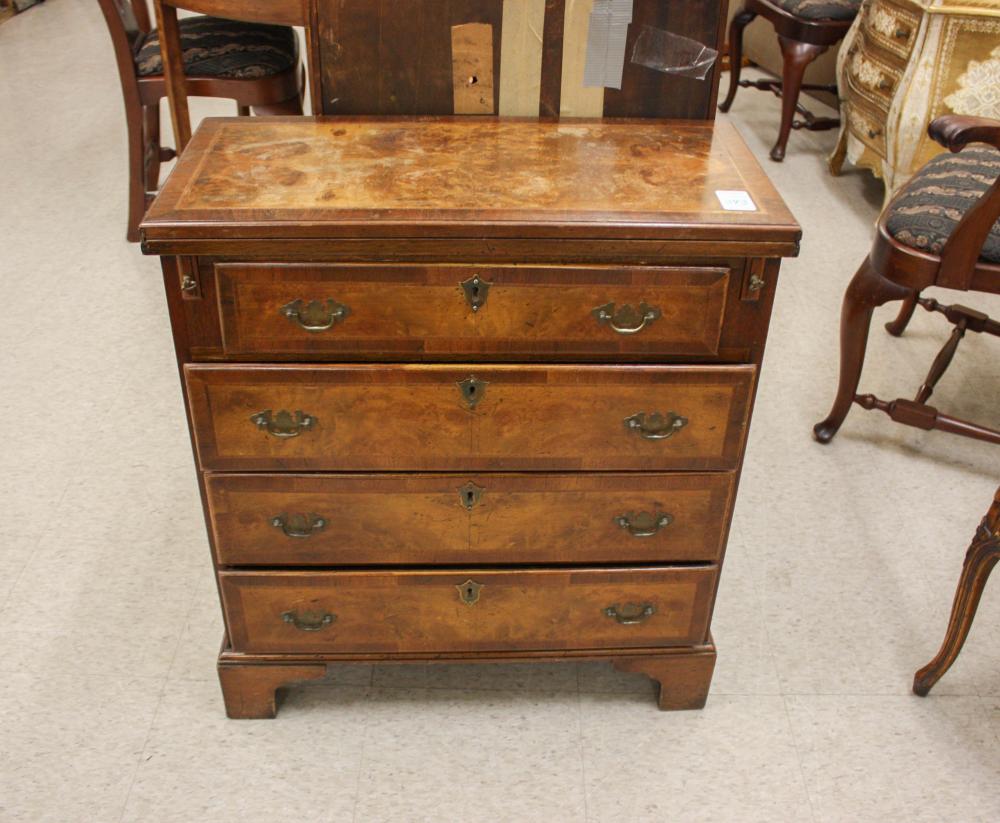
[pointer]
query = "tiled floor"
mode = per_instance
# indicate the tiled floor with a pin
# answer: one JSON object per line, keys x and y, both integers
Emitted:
{"x": 837, "y": 587}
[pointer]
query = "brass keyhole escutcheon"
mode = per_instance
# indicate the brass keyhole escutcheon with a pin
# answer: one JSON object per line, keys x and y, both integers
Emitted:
{"x": 472, "y": 390}
{"x": 476, "y": 291}
{"x": 470, "y": 494}
{"x": 469, "y": 592}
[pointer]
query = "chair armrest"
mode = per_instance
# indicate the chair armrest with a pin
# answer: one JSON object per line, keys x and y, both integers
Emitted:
{"x": 955, "y": 132}
{"x": 960, "y": 254}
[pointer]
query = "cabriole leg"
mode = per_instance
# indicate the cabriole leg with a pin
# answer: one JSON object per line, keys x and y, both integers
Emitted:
{"x": 979, "y": 562}
{"x": 739, "y": 22}
{"x": 867, "y": 290}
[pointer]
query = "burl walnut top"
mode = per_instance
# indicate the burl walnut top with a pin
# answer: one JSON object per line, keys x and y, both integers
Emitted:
{"x": 464, "y": 177}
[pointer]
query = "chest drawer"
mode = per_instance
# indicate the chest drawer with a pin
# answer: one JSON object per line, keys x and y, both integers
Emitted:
{"x": 468, "y": 418}
{"x": 867, "y": 124}
{"x": 467, "y": 609}
{"x": 891, "y": 25}
{"x": 871, "y": 77}
{"x": 443, "y": 312}
{"x": 344, "y": 520}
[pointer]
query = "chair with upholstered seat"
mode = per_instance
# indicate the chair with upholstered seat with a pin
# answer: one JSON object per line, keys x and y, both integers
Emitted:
{"x": 805, "y": 29}
{"x": 256, "y": 65}
{"x": 939, "y": 230}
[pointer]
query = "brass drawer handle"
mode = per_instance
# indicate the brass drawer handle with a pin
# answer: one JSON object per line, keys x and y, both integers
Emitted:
{"x": 315, "y": 316}
{"x": 630, "y": 613}
{"x": 873, "y": 133}
{"x": 309, "y": 621}
{"x": 626, "y": 320}
{"x": 644, "y": 524}
{"x": 885, "y": 85}
{"x": 284, "y": 423}
{"x": 902, "y": 33}
{"x": 299, "y": 525}
{"x": 655, "y": 426}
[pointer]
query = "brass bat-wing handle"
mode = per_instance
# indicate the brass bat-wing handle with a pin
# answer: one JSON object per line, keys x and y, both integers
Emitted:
{"x": 284, "y": 423}
{"x": 626, "y": 319}
{"x": 630, "y": 613}
{"x": 309, "y": 621}
{"x": 299, "y": 525}
{"x": 656, "y": 426}
{"x": 316, "y": 315}
{"x": 644, "y": 524}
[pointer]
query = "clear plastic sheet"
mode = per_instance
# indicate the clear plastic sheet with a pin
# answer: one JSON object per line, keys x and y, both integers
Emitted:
{"x": 673, "y": 54}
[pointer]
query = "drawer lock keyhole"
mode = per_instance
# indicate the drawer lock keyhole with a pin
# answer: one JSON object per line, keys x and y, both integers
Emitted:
{"x": 472, "y": 390}
{"x": 476, "y": 291}
{"x": 469, "y": 592}
{"x": 470, "y": 494}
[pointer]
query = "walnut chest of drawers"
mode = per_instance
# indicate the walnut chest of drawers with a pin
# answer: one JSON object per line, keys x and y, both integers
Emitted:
{"x": 467, "y": 390}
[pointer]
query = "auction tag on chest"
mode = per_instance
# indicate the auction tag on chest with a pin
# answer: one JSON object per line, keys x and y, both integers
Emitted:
{"x": 735, "y": 201}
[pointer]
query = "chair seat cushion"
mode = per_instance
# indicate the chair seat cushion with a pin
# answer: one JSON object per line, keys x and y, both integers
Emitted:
{"x": 214, "y": 47}
{"x": 821, "y": 9}
{"x": 926, "y": 210}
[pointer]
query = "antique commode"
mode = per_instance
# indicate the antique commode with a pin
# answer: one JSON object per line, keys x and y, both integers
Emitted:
{"x": 470, "y": 390}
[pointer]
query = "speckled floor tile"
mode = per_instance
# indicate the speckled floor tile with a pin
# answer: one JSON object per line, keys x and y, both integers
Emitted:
{"x": 734, "y": 761}
{"x": 436, "y": 754}
{"x": 897, "y": 758}
{"x": 545, "y": 677}
{"x": 745, "y": 663}
{"x": 197, "y": 765}
{"x": 70, "y": 744}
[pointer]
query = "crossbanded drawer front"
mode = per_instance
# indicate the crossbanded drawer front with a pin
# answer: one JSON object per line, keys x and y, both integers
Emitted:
{"x": 468, "y": 609}
{"x": 364, "y": 520}
{"x": 468, "y": 418}
{"x": 451, "y": 312}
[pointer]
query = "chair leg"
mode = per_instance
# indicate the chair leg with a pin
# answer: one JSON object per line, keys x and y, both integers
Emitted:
{"x": 898, "y": 326}
{"x": 797, "y": 56}
{"x": 291, "y": 106}
{"x": 151, "y": 132}
{"x": 982, "y": 556}
{"x": 136, "y": 170}
{"x": 739, "y": 22}
{"x": 867, "y": 290}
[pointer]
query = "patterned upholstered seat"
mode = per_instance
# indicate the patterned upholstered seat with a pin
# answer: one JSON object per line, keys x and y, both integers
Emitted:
{"x": 925, "y": 212}
{"x": 821, "y": 9}
{"x": 214, "y": 47}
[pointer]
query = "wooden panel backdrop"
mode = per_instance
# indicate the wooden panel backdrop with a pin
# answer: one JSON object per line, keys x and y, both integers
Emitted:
{"x": 512, "y": 57}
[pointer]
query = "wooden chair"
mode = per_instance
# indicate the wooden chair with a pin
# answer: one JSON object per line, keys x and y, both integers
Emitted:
{"x": 982, "y": 556}
{"x": 805, "y": 29}
{"x": 939, "y": 230}
{"x": 268, "y": 80}
{"x": 428, "y": 57}
{"x": 282, "y": 13}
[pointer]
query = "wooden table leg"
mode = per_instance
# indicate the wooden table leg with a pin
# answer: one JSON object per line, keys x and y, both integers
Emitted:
{"x": 683, "y": 678}
{"x": 982, "y": 556}
{"x": 249, "y": 688}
